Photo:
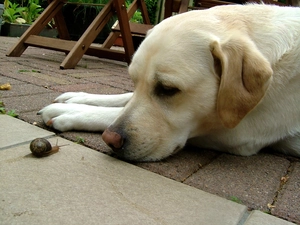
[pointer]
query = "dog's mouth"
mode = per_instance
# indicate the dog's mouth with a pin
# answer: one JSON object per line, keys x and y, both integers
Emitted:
{"x": 132, "y": 157}
{"x": 116, "y": 150}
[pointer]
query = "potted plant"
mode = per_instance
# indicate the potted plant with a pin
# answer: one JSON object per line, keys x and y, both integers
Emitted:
{"x": 18, "y": 18}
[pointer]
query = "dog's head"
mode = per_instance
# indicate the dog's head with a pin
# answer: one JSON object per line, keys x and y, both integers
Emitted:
{"x": 189, "y": 81}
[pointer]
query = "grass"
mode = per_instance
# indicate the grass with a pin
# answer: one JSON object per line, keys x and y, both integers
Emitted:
{"x": 3, "y": 110}
{"x": 236, "y": 199}
{"x": 80, "y": 140}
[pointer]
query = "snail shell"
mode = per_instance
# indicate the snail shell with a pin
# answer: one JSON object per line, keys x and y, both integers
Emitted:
{"x": 41, "y": 147}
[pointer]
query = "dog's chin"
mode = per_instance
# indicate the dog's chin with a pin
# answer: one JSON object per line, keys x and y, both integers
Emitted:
{"x": 153, "y": 156}
{"x": 133, "y": 158}
{"x": 138, "y": 160}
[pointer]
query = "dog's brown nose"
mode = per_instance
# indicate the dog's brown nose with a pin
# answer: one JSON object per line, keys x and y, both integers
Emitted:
{"x": 113, "y": 139}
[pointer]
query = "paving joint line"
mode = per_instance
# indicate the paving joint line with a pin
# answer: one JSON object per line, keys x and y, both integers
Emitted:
{"x": 244, "y": 217}
{"x": 281, "y": 186}
{"x": 200, "y": 167}
{"x": 24, "y": 142}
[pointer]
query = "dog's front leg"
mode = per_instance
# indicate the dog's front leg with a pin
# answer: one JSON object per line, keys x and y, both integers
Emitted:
{"x": 118, "y": 100}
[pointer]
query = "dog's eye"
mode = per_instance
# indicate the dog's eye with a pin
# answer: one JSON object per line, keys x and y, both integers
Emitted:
{"x": 167, "y": 91}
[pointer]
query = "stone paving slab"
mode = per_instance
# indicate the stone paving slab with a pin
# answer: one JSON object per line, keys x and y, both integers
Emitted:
{"x": 14, "y": 132}
{"x": 80, "y": 186}
{"x": 257, "y": 217}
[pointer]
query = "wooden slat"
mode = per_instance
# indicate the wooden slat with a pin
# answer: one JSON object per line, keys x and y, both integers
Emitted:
{"x": 66, "y": 46}
{"x": 136, "y": 28}
{"x": 50, "y": 43}
{"x": 106, "y": 53}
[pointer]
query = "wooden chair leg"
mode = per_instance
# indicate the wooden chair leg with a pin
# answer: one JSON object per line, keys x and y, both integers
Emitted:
{"x": 36, "y": 27}
{"x": 125, "y": 29}
{"x": 61, "y": 26}
{"x": 143, "y": 7}
{"x": 88, "y": 37}
{"x": 130, "y": 11}
{"x": 110, "y": 40}
{"x": 184, "y": 6}
{"x": 168, "y": 8}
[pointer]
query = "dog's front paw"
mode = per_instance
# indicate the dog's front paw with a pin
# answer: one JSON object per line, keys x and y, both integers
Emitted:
{"x": 58, "y": 116}
{"x": 65, "y": 117}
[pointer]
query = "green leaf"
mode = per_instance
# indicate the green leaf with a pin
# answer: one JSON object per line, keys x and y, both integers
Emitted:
{"x": 236, "y": 199}
{"x": 2, "y": 110}
{"x": 12, "y": 113}
{"x": 79, "y": 140}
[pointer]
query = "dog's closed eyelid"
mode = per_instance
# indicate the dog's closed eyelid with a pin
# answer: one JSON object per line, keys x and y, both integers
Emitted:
{"x": 162, "y": 90}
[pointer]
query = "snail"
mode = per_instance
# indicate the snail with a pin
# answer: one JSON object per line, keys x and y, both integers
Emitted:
{"x": 41, "y": 147}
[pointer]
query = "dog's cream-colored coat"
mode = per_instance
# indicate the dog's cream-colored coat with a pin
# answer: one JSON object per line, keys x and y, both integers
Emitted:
{"x": 226, "y": 78}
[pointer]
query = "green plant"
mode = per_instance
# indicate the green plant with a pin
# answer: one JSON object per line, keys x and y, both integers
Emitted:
{"x": 32, "y": 11}
{"x": 236, "y": 199}
{"x": 3, "y": 110}
{"x": 79, "y": 140}
{"x": 88, "y": 6}
{"x": 151, "y": 8}
{"x": 14, "y": 13}
{"x": 137, "y": 17}
{"x": 12, "y": 113}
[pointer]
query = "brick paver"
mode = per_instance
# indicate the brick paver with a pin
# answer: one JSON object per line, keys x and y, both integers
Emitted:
{"x": 287, "y": 204}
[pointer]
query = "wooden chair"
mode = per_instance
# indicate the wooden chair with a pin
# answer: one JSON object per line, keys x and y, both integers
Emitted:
{"x": 76, "y": 49}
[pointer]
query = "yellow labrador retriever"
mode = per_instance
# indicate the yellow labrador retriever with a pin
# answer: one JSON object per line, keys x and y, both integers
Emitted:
{"x": 226, "y": 78}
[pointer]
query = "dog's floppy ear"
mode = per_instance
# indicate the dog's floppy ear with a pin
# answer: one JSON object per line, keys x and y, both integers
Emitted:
{"x": 245, "y": 76}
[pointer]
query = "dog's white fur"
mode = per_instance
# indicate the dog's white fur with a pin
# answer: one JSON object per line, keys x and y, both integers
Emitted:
{"x": 226, "y": 78}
